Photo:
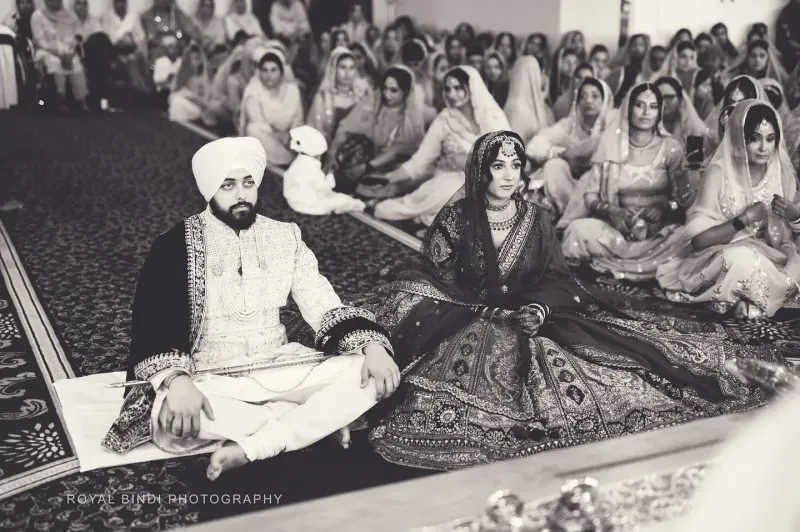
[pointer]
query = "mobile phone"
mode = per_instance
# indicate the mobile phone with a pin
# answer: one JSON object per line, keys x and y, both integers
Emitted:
{"x": 694, "y": 150}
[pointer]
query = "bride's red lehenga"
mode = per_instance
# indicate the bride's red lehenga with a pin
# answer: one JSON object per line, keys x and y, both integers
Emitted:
{"x": 477, "y": 390}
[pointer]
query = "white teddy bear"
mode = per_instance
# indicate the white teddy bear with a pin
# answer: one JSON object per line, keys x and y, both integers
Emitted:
{"x": 305, "y": 186}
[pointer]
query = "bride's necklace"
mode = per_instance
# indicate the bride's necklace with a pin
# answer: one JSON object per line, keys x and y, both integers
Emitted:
{"x": 502, "y": 217}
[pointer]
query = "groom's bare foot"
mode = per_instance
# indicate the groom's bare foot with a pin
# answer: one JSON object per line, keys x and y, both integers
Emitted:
{"x": 229, "y": 456}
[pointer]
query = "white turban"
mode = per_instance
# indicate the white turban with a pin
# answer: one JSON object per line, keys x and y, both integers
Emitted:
{"x": 228, "y": 157}
{"x": 307, "y": 140}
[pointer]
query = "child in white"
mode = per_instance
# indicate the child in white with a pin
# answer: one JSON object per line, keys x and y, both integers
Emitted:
{"x": 305, "y": 186}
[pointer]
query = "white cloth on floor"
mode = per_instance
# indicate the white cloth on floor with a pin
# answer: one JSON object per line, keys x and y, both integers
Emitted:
{"x": 89, "y": 409}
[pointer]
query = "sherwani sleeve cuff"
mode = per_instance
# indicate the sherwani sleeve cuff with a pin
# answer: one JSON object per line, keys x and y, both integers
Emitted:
{"x": 349, "y": 329}
{"x": 158, "y": 367}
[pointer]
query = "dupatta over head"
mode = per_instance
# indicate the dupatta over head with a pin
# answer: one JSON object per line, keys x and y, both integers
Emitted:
{"x": 526, "y": 107}
{"x": 690, "y": 124}
{"x": 730, "y": 161}
{"x": 278, "y": 109}
{"x": 406, "y": 136}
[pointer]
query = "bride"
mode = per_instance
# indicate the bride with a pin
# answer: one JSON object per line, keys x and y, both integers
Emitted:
{"x": 501, "y": 362}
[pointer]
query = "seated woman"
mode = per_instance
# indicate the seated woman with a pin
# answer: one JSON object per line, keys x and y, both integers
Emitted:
{"x": 774, "y": 92}
{"x": 338, "y": 93}
{"x": 758, "y": 60}
{"x": 623, "y": 221}
{"x": 498, "y": 359}
{"x": 435, "y": 67}
{"x": 229, "y": 82}
{"x": 599, "y": 60}
{"x": 240, "y": 19}
{"x": 703, "y": 99}
{"x": 740, "y": 88}
{"x": 191, "y": 87}
{"x": 563, "y": 106}
{"x": 565, "y": 149}
{"x": 381, "y": 132}
{"x": 54, "y": 38}
{"x": 124, "y": 27}
{"x": 495, "y": 73}
{"x": 366, "y": 63}
{"x": 565, "y": 60}
{"x": 680, "y": 117}
{"x": 271, "y": 107}
{"x": 211, "y": 29}
{"x": 740, "y": 232}
{"x": 526, "y": 108}
{"x": 436, "y": 169}
{"x": 682, "y": 66}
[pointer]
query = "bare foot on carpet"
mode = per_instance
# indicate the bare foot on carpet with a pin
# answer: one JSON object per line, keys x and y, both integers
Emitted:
{"x": 229, "y": 456}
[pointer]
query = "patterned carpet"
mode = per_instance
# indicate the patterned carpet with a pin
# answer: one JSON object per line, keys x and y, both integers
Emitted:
{"x": 97, "y": 192}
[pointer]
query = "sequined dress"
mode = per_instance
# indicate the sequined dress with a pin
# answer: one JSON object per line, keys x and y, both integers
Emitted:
{"x": 476, "y": 390}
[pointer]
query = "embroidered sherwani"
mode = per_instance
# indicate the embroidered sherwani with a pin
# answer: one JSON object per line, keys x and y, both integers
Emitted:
{"x": 208, "y": 297}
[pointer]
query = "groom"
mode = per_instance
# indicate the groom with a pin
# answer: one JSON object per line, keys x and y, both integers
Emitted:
{"x": 209, "y": 296}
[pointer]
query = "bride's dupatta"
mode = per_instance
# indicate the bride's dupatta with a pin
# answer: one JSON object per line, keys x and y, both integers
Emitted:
{"x": 463, "y": 278}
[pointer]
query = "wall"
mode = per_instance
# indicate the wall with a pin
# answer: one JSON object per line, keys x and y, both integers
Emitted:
{"x": 597, "y": 19}
{"x": 520, "y": 17}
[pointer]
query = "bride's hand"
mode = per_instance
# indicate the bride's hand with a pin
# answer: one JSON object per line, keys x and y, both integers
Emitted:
{"x": 528, "y": 322}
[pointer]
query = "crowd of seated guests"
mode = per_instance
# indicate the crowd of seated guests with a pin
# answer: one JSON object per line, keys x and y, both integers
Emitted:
{"x": 624, "y": 146}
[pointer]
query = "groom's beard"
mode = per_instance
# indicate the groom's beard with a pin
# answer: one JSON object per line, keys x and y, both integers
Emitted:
{"x": 238, "y": 217}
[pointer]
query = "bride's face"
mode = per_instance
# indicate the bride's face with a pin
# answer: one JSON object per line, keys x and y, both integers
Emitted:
{"x": 506, "y": 173}
{"x": 761, "y": 144}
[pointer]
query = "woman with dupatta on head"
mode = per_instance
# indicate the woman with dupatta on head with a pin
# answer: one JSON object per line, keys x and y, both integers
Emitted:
{"x": 191, "y": 88}
{"x": 495, "y": 72}
{"x": 565, "y": 149}
{"x": 271, "y": 106}
{"x": 740, "y": 88}
{"x": 499, "y": 361}
{"x": 339, "y": 91}
{"x": 382, "y": 131}
{"x": 436, "y": 170}
{"x": 526, "y": 108}
{"x": 759, "y": 60}
{"x": 435, "y": 68}
{"x": 626, "y": 220}
{"x": 563, "y": 106}
{"x": 740, "y": 251}
{"x": 680, "y": 117}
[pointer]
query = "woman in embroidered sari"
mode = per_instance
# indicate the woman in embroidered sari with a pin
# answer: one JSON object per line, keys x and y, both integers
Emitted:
{"x": 563, "y": 106}
{"x": 740, "y": 234}
{"x": 340, "y": 90}
{"x": 565, "y": 149}
{"x": 381, "y": 132}
{"x": 436, "y": 170}
{"x": 495, "y": 73}
{"x": 191, "y": 87}
{"x": 498, "y": 358}
{"x": 526, "y": 108}
{"x": 271, "y": 106}
{"x": 626, "y": 221}
{"x": 54, "y": 37}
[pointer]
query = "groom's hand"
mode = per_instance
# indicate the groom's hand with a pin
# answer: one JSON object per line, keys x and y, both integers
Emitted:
{"x": 379, "y": 365}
